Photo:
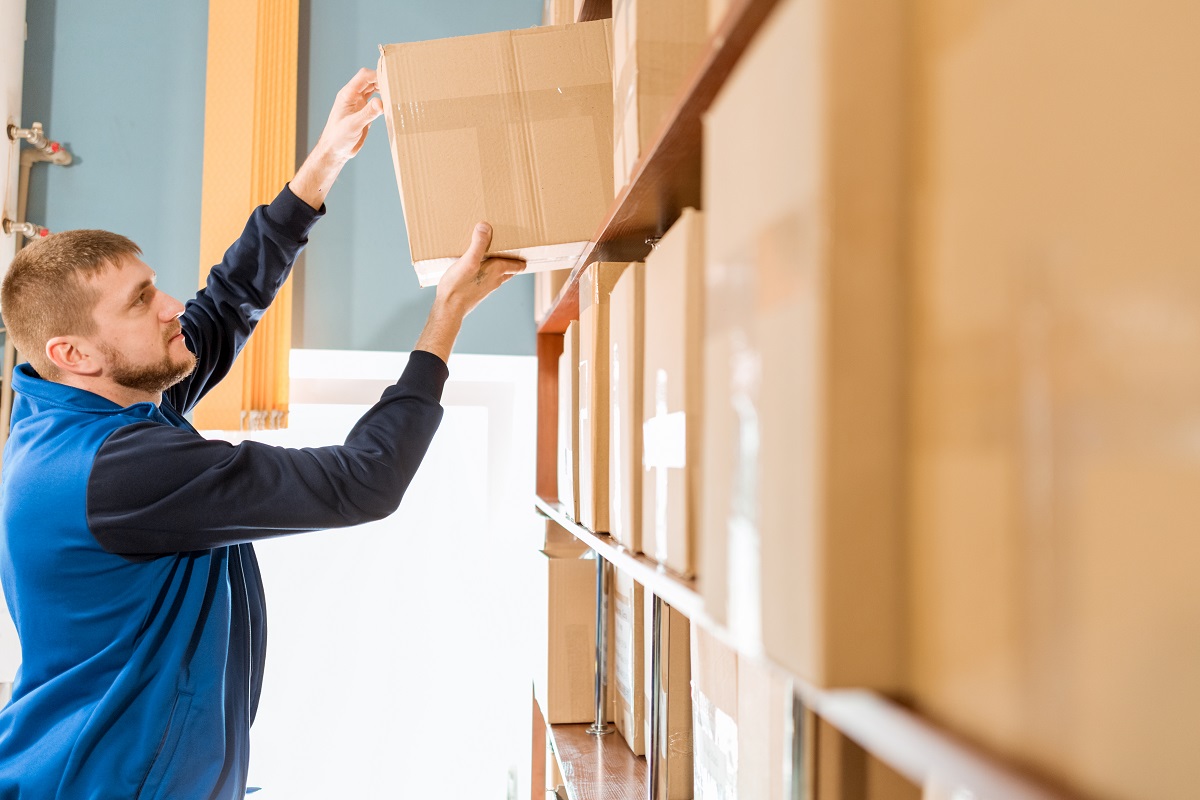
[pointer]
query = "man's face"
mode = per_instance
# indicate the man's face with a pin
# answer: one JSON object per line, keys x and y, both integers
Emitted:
{"x": 137, "y": 329}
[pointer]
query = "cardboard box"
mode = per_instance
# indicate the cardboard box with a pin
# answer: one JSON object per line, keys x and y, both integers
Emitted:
{"x": 717, "y": 11}
{"x": 558, "y": 12}
{"x": 629, "y": 671}
{"x": 656, "y": 45}
{"x": 514, "y": 128}
{"x": 568, "y": 422}
{"x": 595, "y": 284}
{"x": 626, "y": 312}
{"x": 802, "y": 520}
{"x": 565, "y": 680}
{"x": 1056, "y": 397}
{"x": 672, "y": 393}
{"x": 765, "y": 732}
{"x": 546, "y": 286}
{"x": 561, "y": 543}
{"x": 714, "y": 716}
{"x": 845, "y": 771}
{"x": 673, "y": 715}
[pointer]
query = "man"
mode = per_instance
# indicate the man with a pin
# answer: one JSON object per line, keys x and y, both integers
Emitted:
{"x": 125, "y": 549}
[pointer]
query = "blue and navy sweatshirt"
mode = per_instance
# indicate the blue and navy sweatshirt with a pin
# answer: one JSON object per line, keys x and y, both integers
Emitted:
{"x": 126, "y": 556}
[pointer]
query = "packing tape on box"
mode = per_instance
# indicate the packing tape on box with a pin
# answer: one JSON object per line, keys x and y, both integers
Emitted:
{"x": 503, "y": 127}
{"x": 715, "y": 743}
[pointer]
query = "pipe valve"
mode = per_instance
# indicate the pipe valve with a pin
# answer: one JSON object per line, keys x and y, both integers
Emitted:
{"x": 29, "y": 230}
{"x": 35, "y": 134}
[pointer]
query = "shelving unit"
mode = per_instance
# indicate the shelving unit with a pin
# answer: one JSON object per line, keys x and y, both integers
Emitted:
{"x": 597, "y": 767}
{"x": 680, "y": 593}
{"x": 666, "y": 180}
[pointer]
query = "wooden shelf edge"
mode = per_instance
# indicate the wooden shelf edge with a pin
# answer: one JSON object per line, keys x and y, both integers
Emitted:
{"x": 597, "y": 767}
{"x": 595, "y": 9}
{"x": 679, "y": 593}
{"x": 650, "y": 203}
{"x": 921, "y": 751}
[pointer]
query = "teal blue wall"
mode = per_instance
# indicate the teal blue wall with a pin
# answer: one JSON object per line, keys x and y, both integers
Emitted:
{"x": 122, "y": 84}
{"x": 359, "y": 290}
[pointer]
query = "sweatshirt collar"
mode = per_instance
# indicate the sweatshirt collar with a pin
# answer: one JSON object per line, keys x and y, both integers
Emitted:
{"x": 42, "y": 392}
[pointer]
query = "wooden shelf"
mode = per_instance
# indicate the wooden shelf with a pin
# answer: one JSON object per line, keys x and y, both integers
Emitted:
{"x": 666, "y": 179}
{"x": 921, "y": 751}
{"x": 597, "y": 767}
{"x": 595, "y": 9}
{"x": 678, "y": 592}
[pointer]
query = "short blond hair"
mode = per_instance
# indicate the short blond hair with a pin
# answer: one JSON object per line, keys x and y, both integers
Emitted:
{"x": 46, "y": 291}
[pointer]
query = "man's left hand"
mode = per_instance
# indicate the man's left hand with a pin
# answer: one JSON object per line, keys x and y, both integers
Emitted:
{"x": 353, "y": 112}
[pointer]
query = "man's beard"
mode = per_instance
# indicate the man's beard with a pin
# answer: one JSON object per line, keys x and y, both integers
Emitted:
{"x": 153, "y": 378}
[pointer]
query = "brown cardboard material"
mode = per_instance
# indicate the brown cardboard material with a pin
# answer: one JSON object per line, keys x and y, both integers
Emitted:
{"x": 561, "y": 543}
{"x": 717, "y": 11}
{"x": 672, "y": 394}
{"x": 629, "y": 671}
{"x": 656, "y": 44}
{"x": 802, "y": 520}
{"x": 845, "y": 771}
{"x": 626, "y": 312}
{"x": 674, "y": 752}
{"x": 764, "y": 698}
{"x": 714, "y": 716}
{"x": 514, "y": 128}
{"x": 546, "y": 286}
{"x": 568, "y": 422}
{"x": 1055, "y": 395}
{"x": 595, "y": 285}
{"x": 564, "y": 684}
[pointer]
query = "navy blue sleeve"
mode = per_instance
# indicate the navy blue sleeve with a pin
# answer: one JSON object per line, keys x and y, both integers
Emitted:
{"x": 156, "y": 489}
{"x": 220, "y": 318}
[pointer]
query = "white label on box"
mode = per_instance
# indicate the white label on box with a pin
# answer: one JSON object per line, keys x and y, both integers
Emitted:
{"x": 617, "y": 455}
{"x": 715, "y": 757}
{"x": 744, "y": 546}
{"x": 625, "y": 664}
{"x": 664, "y": 440}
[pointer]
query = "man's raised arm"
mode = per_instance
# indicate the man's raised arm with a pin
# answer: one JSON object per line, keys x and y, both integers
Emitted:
{"x": 219, "y": 320}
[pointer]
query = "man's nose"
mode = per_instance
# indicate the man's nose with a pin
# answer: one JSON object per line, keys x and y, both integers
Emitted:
{"x": 171, "y": 308}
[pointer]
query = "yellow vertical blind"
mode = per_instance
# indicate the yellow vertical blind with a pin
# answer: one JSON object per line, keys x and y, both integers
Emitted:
{"x": 249, "y": 153}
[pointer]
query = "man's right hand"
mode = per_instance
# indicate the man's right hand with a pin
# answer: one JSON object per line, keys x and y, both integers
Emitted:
{"x": 473, "y": 277}
{"x": 470, "y": 279}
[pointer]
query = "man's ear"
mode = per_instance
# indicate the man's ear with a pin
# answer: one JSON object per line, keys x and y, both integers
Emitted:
{"x": 72, "y": 355}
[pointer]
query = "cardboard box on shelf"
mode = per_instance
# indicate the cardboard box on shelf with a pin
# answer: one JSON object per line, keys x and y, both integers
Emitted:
{"x": 674, "y": 714}
{"x": 626, "y": 312}
{"x": 845, "y": 771}
{"x": 717, "y": 11}
{"x": 656, "y": 44}
{"x": 514, "y": 128}
{"x": 560, "y": 542}
{"x": 629, "y": 614}
{"x": 546, "y": 286}
{"x": 672, "y": 393}
{"x": 566, "y": 640}
{"x": 595, "y": 284}
{"x": 802, "y": 513}
{"x": 1053, "y": 510}
{"x": 568, "y": 422}
{"x": 765, "y": 731}
{"x": 714, "y": 715}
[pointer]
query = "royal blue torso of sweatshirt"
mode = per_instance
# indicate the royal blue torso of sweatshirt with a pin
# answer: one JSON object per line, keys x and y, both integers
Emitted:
{"x": 126, "y": 556}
